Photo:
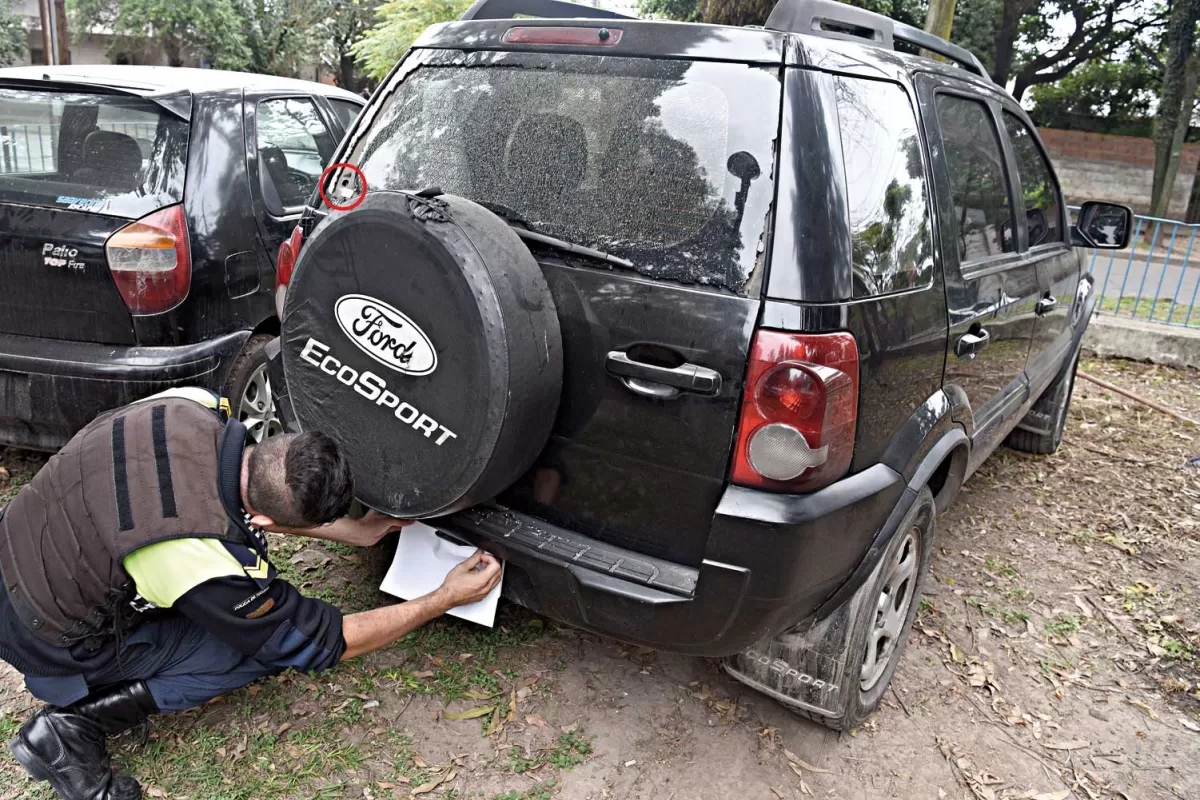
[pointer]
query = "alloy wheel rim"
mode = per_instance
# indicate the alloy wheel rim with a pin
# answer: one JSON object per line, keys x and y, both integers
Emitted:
{"x": 256, "y": 408}
{"x": 891, "y": 610}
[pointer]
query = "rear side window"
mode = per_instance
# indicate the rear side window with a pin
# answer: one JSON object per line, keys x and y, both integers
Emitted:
{"x": 982, "y": 214}
{"x": 1043, "y": 210}
{"x": 346, "y": 112}
{"x": 108, "y": 154}
{"x": 293, "y": 146}
{"x": 885, "y": 179}
{"x": 667, "y": 164}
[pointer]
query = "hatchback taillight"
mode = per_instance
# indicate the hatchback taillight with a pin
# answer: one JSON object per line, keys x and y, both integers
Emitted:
{"x": 799, "y": 411}
{"x": 285, "y": 262}
{"x": 151, "y": 262}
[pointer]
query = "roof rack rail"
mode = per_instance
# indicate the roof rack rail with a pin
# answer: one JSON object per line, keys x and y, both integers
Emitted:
{"x": 835, "y": 20}
{"x": 553, "y": 9}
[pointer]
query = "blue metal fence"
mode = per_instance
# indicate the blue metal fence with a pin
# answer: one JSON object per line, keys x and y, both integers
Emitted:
{"x": 1156, "y": 279}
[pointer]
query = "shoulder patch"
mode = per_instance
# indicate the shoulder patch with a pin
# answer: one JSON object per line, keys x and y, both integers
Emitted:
{"x": 253, "y": 564}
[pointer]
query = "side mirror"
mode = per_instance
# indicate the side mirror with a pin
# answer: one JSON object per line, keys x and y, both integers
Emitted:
{"x": 1103, "y": 226}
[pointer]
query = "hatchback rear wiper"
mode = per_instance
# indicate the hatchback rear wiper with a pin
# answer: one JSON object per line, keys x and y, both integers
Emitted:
{"x": 570, "y": 247}
{"x": 521, "y": 228}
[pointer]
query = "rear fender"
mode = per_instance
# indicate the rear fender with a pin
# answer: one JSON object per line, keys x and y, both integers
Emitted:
{"x": 938, "y": 429}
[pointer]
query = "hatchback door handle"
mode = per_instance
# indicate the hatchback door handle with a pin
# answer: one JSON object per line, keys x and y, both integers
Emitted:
{"x": 1046, "y": 304}
{"x": 685, "y": 377}
{"x": 971, "y": 343}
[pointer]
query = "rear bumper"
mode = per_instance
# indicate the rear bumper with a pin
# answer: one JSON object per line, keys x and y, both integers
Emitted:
{"x": 49, "y": 389}
{"x": 772, "y": 560}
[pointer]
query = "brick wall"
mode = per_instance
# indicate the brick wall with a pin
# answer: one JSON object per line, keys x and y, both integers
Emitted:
{"x": 1097, "y": 166}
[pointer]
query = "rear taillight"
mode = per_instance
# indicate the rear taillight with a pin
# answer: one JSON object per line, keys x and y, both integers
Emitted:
{"x": 285, "y": 262}
{"x": 799, "y": 411}
{"x": 150, "y": 261}
{"x": 563, "y": 34}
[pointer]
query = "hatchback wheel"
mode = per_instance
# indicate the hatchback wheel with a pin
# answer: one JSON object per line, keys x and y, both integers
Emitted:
{"x": 248, "y": 388}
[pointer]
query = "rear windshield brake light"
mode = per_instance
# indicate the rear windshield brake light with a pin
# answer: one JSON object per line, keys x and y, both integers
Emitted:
{"x": 586, "y": 37}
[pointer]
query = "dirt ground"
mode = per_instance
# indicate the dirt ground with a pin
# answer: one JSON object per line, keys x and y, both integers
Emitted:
{"x": 1055, "y": 657}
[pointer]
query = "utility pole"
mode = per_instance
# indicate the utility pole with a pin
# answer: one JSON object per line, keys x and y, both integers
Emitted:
{"x": 46, "y": 10}
{"x": 60, "y": 28}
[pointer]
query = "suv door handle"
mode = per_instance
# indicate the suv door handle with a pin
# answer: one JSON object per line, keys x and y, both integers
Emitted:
{"x": 1046, "y": 304}
{"x": 972, "y": 342}
{"x": 685, "y": 377}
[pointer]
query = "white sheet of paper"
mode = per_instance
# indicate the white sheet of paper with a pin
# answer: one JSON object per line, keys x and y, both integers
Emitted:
{"x": 422, "y": 560}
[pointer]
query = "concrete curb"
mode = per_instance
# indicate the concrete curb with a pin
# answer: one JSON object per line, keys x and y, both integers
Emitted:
{"x": 1139, "y": 340}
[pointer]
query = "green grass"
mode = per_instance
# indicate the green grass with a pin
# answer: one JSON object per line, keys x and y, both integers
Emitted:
{"x": 1064, "y": 625}
{"x": 572, "y": 749}
{"x": 1140, "y": 309}
{"x": 543, "y": 791}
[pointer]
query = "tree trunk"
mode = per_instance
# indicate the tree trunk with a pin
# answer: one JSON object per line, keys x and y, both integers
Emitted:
{"x": 64, "y": 41}
{"x": 347, "y": 74}
{"x": 1193, "y": 209}
{"x": 940, "y": 18}
{"x": 1006, "y": 39}
{"x": 1181, "y": 128}
{"x": 172, "y": 50}
{"x": 1180, "y": 32}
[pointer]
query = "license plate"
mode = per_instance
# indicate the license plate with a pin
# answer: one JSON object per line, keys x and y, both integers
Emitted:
{"x": 14, "y": 395}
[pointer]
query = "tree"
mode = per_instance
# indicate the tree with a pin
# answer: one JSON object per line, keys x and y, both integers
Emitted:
{"x": 211, "y": 29}
{"x": 400, "y": 22}
{"x": 281, "y": 35}
{"x": 1180, "y": 74}
{"x": 13, "y": 44}
{"x": 346, "y": 24}
{"x": 1121, "y": 92}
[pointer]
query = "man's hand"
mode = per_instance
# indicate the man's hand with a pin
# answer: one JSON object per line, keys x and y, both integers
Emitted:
{"x": 470, "y": 581}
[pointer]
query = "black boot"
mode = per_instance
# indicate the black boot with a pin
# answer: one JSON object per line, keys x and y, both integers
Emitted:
{"x": 66, "y": 746}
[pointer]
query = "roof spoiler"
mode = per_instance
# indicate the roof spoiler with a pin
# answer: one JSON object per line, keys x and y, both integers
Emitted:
{"x": 177, "y": 103}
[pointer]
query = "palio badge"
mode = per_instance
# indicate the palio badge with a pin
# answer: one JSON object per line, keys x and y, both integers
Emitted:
{"x": 385, "y": 334}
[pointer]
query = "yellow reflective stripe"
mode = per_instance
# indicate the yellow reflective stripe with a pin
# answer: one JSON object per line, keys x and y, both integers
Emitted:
{"x": 202, "y": 396}
{"x": 165, "y": 571}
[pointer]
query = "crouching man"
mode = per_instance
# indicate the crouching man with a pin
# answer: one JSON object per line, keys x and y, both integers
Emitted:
{"x": 137, "y": 581}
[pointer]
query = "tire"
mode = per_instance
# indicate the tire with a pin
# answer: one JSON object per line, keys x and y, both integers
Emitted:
{"x": 868, "y": 674}
{"x": 248, "y": 388}
{"x": 421, "y": 335}
{"x": 1049, "y": 414}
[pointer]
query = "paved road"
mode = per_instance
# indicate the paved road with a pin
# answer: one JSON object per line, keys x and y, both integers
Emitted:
{"x": 1149, "y": 269}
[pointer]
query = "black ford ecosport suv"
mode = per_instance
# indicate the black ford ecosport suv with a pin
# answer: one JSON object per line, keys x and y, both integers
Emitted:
{"x": 697, "y": 327}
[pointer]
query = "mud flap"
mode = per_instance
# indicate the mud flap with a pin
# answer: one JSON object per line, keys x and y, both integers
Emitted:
{"x": 806, "y": 667}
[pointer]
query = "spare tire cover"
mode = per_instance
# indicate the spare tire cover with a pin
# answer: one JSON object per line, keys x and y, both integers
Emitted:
{"x": 420, "y": 334}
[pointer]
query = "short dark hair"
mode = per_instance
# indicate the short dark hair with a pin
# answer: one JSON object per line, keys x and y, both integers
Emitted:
{"x": 300, "y": 480}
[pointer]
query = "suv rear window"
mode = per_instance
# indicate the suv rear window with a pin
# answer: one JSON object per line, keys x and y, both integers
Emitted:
{"x": 665, "y": 163}
{"x": 109, "y": 154}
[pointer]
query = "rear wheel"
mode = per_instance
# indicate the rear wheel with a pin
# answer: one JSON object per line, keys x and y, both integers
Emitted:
{"x": 888, "y": 605}
{"x": 248, "y": 388}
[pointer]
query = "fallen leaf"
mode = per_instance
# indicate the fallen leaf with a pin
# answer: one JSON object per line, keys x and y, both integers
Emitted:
{"x": 800, "y": 762}
{"x": 804, "y": 787}
{"x": 570, "y": 728}
{"x": 385, "y": 785}
{"x": 420, "y": 763}
{"x": 310, "y": 558}
{"x": 471, "y": 713}
{"x": 1084, "y": 608}
{"x": 426, "y": 788}
{"x": 956, "y": 654}
{"x": 777, "y": 793}
{"x": 1191, "y": 726}
{"x": 1074, "y": 744}
{"x": 632, "y": 763}
{"x": 425, "y": 673}
{"x": 535, "y": 719}
{"x": 282, "y": 729}
{"x": 371, "y": 704}
{"x": 475, "y": 694}
{"x": 153, "y": 791}
{"x": 797, "y": 770}
{"x": 1143, "y": 707}
{"x": 1061, "y": 794}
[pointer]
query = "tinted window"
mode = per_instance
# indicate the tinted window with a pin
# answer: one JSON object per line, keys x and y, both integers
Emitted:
{"x": 1042, "y": 208}
{"x": 972, "y": 151}
{"x": 346, "y": 112}
{"x": 885, "y": 177}
{"x": 293, "y": 146}
{"x": 105, "y": 153}
{"x": 664, "y": 163}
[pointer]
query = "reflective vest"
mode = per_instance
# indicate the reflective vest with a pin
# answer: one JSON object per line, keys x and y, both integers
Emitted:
{"x": 141, "y": 474}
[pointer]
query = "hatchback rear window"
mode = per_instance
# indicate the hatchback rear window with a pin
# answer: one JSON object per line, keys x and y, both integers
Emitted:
{"x": 665, "y": 163}
{"x": 109, "y": 154}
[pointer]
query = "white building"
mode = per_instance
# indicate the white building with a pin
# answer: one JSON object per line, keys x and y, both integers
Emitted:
{"x": 91, "y": 47}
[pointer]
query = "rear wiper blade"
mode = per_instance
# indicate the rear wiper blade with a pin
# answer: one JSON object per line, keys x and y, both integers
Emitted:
{"x": 521, "y": 228}
{"x": 570, "y": 247}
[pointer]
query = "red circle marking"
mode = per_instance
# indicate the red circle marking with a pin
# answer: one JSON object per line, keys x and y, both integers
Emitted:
{"x": 361, "y": 179}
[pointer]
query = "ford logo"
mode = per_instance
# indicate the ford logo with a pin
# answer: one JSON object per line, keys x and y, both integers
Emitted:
{"x": 385, "y": 334}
